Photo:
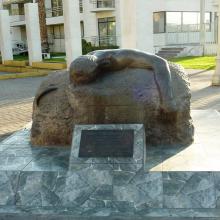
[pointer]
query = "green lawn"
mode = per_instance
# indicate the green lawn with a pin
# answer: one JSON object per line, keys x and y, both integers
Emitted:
{"x": 205, "y": 63}
{"x": 53, "y": 59}
{"x": 20, "y": 57}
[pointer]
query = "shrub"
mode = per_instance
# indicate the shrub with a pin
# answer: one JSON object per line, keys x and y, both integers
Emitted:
{"x": 88, "y": 47}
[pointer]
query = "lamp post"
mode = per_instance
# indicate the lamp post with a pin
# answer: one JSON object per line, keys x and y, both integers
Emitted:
{"x": 216, "y": 76}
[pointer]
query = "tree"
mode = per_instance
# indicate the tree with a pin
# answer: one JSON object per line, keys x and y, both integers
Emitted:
{"x": 43, "y": 25}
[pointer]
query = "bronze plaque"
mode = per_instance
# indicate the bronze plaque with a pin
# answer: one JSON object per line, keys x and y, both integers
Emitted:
{"x": 106, "y": 143}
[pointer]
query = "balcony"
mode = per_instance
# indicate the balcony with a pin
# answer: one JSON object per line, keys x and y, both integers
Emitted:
{"x": 102, "y": 5}
{"x": 17, "y": 20}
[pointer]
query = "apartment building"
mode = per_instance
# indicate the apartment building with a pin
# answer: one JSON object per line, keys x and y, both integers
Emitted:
{"x": 175, "y": 24}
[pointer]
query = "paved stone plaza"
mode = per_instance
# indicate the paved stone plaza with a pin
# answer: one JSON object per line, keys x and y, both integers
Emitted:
{"x": 35, "y": 180}
{"x": 45, "y": 182}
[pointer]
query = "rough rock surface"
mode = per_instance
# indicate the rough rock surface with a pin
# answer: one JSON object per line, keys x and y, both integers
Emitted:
{"x": 126, "y": 96}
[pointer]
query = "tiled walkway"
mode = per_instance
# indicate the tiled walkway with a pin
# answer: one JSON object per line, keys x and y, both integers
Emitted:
{"x": 16, "y": 97}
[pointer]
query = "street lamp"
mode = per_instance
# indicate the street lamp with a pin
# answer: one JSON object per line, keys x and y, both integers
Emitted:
{"x": 216, "y": 76}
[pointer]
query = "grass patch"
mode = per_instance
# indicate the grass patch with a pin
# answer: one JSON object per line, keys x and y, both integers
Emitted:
{"x": 22, "y": 75}
{"x": 20, "y": 57}
{"x": 55, "y": 60}
{"x": 57, "y": 54}
{"x": 203, "y": 63}
{"x": 51, "y": 60}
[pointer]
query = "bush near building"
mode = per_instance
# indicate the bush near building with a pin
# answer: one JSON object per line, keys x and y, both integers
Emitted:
{"x": 88, "y": 47}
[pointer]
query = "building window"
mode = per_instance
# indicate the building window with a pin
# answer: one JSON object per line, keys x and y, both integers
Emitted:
{"x": 191, "y": 21}
{"x": 208, "y": 21}
{"x": 105, "y": 3}
{"x": 159, "y": 22}
{"x": 82, "y": 29}
{"x": 172, "y": 22}
{"x": 81, "y": 6}
{"x": 107, "y": 31}
{"x": 57, "y": 8}
{"x": 57, "y": 31}
{"x": 16, "y": 8}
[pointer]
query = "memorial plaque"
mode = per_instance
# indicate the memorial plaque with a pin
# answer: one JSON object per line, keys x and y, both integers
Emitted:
{"x": 106, "y": 143}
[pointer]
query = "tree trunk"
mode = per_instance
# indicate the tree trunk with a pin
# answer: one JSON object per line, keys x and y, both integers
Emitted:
{"x": 43, "y": 25}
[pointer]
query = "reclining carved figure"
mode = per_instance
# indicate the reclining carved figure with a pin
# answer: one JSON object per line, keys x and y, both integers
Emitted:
{"x": 87, "y": 68}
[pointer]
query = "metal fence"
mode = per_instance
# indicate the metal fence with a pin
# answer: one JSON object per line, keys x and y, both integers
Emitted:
{"x": 54, "y": 12}
{"x": 190, "y": 34}
{"x": 189, "y": 37}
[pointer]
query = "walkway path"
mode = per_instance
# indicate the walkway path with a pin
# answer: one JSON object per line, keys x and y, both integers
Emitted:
{"x": 204, "y": 95}
{"x": 16, "y": 97}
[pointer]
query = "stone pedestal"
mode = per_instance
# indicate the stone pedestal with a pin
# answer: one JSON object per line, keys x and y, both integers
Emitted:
{"x": 33, "y": 32}
{"x": 5, "y": 36}
{"x": 72, "y": 30}
{"x": 54, "y": 183}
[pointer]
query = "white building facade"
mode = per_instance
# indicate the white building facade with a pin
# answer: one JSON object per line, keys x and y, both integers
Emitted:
{"x": 158, "y": 26}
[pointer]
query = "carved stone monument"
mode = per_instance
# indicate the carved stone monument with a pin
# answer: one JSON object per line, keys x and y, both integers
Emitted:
{"x": 115, "y": 87}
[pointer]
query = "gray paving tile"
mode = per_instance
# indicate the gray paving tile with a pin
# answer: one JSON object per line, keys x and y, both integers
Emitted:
{"x": 217, "y": 188}
{"x": 47, "y": 163}
{"x": 14, "y": 163}
{"x": 18, "y": 151}
{"x": 23, "y": 140}
{"x": 8, "y": 187}
{"x": 52, "y": 189}
{"x": 189, "y": 190}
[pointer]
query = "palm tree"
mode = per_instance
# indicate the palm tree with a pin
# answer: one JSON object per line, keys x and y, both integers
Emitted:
{"x": 43, "y": 25}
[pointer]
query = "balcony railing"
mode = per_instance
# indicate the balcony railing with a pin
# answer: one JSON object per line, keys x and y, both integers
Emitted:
{"x": 187, "y": 35}
{"x": 17, "y": 18}
{"x": 54, "y": 12}
{"x": 58, "y": 11}
{"x": 99, "y": 5}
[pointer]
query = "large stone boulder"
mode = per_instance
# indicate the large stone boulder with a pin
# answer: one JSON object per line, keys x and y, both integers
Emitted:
{"x": 129, "y": 95}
